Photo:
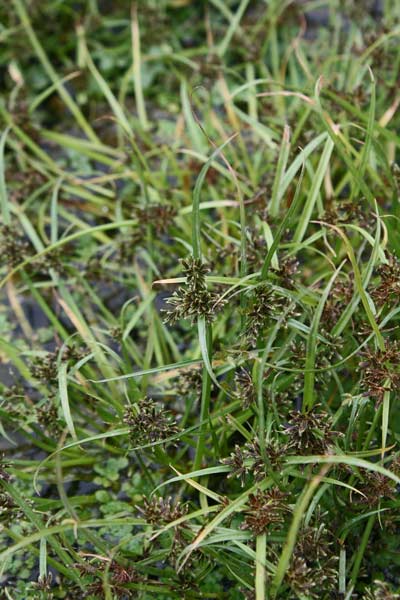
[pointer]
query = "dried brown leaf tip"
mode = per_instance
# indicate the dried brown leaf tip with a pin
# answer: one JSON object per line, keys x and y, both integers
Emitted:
{"x": 310, "y": 433}
{"x": 266, "y": 510}
{"x": 380, "y": 370}
{"x": 388, "y": 289}
{"x": 149, "y": 423}
{"x": 160, "y": 511}
{"x": 192, "y": 300}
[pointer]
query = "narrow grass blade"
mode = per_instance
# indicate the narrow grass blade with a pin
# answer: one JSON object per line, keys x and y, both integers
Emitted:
{"x": 337, "y": 459}
{"x": 359, "y": 285}
{"x": 232, "y": 28}
{"x": 54, "y": 212}
{"x": 298, "y": 513}
{"x": 314, "y": 191}
{"x": 221, "y": 516}
{"x": 5, "y": 209}
{"x": 137, "y": 68}
{"x": 196, "y": 231}
{"x": 280, "y": 172}
{"x": 365, "y": 153}
{"x": 311, "y": 350}
{"x": 282, "y": 227}
{"x": 202, "y": 330}
{"x": 104, "y": 87}
{"x": 63, "y": 391}
{"x": 261, "y": 547}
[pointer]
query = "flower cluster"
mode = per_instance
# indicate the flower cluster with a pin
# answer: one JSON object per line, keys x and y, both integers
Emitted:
{"x": 14, "y": 247}
{"x": 149, "y": 423}
{"x": 265, "y": 509}
{"x": 265, "y": 306}
{"x": 388, "y": 289}
{"x": 313, "y": 567}
{"x": 310, "y": 433}
{"x": 381, "y": 591}
{"x": 380, "y": 370}
{"x": 249, "y": 460}
{"x": 158, "y": 216}
{"x": 245, "y": 389}
{"x": 159, "y": 511}
{"x": 375, "y": 487}
{"x": 194, "y": 299}
{"x": 118, "y": 575}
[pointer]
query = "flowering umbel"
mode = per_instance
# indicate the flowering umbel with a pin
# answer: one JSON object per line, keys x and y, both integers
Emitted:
{"x": 265, "y": 509}
{"x": 159, "y": 511}
{"x": 192, "y": 300}
{"x": 148, "y": 422}
{"x": 381, "y": 591}
{"x": 265, "y": 306}
{"x": 310, "y": 433}
{"x": 249, "y": 460}
{"x": 380, "y": 370}
{"x": 388, "y": 289}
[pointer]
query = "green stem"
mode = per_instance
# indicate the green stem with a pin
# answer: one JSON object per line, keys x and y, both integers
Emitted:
{"x": 205, "y": 406}
{"x": 261, "y": 547}
{"x": 137, "y": 69}
{"x": 362, "y": 547}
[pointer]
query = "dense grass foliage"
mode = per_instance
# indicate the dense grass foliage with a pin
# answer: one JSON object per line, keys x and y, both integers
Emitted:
{"x": 200, "y": 282}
